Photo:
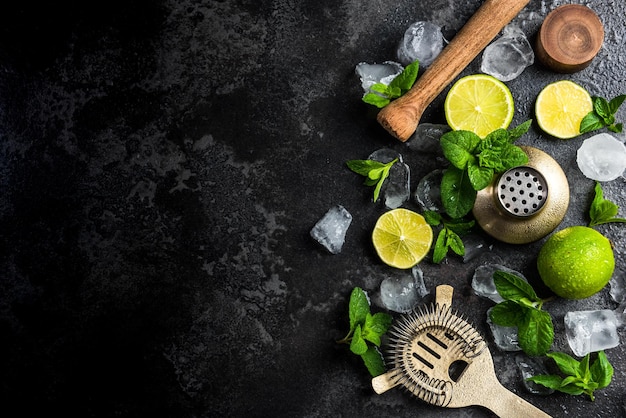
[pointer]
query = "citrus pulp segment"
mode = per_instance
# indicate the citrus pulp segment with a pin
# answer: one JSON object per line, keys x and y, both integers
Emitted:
{"x": 479, "y": 103}
{"x": 560, "y": 107}
{"x": 402, "y": 238}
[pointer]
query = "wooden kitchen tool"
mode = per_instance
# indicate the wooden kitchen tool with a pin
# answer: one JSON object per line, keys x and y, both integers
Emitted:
{"x": 570, "y": 37}
{"x": 440, "y": 358}
{"x": 401, "y": 117}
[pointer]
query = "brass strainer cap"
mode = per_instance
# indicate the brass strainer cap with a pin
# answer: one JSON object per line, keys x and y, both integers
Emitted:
{"x": 525, "y": 203}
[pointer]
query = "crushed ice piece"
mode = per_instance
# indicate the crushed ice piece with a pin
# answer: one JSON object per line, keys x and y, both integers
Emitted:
{"x": 506, "y": 338}
{"x": 396, "y": 188}
{"x": 418, "y": 275}
{"x": 400, "y": 293}
{"x": 602, "y": 157}
{"x": 483, "y": 283}
{"x": 529, "y": 367}
{"x": 426, "y": 138}
{"x": 475, "y": 245}
{"x": 428, "y": 191}
{"x": 371, "y": 74}
{"x": 590, "y": 331}
{"x": 422, "y": 41}
{"x": 508, "y": 56}
{"x": 618, "y": 286}
{"x": 330, "y": 230}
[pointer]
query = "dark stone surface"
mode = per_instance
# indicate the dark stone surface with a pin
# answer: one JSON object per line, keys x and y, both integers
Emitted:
{"x": 161, "y": 165}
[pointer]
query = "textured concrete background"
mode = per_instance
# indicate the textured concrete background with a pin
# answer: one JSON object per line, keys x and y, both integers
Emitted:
{"x": 161, "y": 165}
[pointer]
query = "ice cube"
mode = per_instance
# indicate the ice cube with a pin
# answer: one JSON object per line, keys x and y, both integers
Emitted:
{"x": 418, "y": 275}
{"x": 422, "y": 41}
{"x": 371, "y": 74}
{"x": 400, "y": 293}
{"x": 483, "y": 283}
{"x": 589, "y": 331}
{"x": 426, "y": 138}
{"x": 428, "y": 191}
{"x": 602, "y": 157}
{"x": 618, "y": 286}
{"x": 529, "y": 367}
{"x": 506, "y": 338}
{"x": 508, "y": 56}
{"x": 475, "y": 245}
{"x": 396, "y": 188}
{"x": 330, "y": 230}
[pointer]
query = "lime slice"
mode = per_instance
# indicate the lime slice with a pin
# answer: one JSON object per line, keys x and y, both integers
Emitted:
{"x": 402, "y": 238}
{"x": 560, "y": 107}
{"x": 479, "y": 103}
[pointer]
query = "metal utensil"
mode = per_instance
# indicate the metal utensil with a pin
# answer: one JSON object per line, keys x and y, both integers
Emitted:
{"x": 440, "y": 358}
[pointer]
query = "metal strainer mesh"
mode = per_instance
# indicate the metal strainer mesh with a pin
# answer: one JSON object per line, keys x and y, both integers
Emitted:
{"x": 522, "y": 191}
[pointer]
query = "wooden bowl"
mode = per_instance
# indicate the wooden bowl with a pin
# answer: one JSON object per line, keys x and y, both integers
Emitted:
{"x": 569, "y": 38}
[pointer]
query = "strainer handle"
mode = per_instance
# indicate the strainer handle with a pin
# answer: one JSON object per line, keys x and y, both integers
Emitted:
{"x": 507, "y": 404}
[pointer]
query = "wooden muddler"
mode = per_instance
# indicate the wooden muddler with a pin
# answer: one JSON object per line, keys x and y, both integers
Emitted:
{"x": 401, "y": 116}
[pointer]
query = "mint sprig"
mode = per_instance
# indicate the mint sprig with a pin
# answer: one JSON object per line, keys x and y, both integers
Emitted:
{"x": 449, "y": 237}
{"x": 474, "y": 163}
{"x": 579, "y": 377}
{"x": 603, "y": 115}
{"x": 602, "y": 211}
{"x": 366, "y": 330}
{"x": 383, "y": 94}
{"x": 374, "y": 172}
{"x": 522, "y": 308}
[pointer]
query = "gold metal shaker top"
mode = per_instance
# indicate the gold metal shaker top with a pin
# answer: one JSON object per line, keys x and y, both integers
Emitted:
{"x": 526, "y": 203}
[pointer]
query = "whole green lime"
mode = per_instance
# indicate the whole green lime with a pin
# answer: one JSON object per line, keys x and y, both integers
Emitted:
{"x": 576, "y": 262}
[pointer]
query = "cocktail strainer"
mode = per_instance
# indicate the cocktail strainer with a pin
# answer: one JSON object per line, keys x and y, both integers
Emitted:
{"x": 440, "y": 358}
{"x": 525, "y": 203}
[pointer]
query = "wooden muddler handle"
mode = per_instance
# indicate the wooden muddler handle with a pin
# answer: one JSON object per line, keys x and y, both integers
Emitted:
{"x": 401, "y": 116}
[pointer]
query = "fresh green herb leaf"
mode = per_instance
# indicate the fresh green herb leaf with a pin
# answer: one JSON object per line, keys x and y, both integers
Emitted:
{"x": 358, "y": 345}
{"x": 512, "y": 287}
{"x": 579, "y": 377}
{"x": 380, "y": 95}
{"x": 373, "y": 361}
{"x": 375, "y": 172}
{"x": 449, "y": 237}
{"x": 602, "y": 115}
{"x": 522, "y": 308}
{"x": 366, "y": 328}
{"x": 457, "y": 193}
{"x": 602, "y": 211}
{"x": 535, "y": 332}
{"x": 474, "y": 163}
{"x": 358, "y": 308}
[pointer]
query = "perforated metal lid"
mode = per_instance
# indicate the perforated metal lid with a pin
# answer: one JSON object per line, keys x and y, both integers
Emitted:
{"x": 522, "y": 191}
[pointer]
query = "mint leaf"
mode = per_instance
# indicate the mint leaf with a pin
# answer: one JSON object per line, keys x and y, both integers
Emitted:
{"x": 579, "y": 376}
{"x": 375, "y": 172}
{"x": 373, "y": 361}
{"x": 519, "y": 130}
{"x": 458, "y": 147}
{"x": 432, "y": 218}
{"x": 507, "y": 314}
{"x": 441, "y": 248}
{"x": 405, "y": 80}
{"x": 602, "y": 115}
{"x": 457, "y": 193}
{"x": 454, "y": 242}
{"x": 535, "y": 332}
{"x": 511, "y": 287}
{"x": 566, "y": 363}
{"x": 513, "y": 156}
{"x": 375, "y": 326}
{"x": 591, "y": 122}
{"x": 358, "y": 345}
{"x": 601, "y": 371}
{"x": 480, "y": 177}
{"x": 602, "y": 211}
{"x": 358, "y": 307}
